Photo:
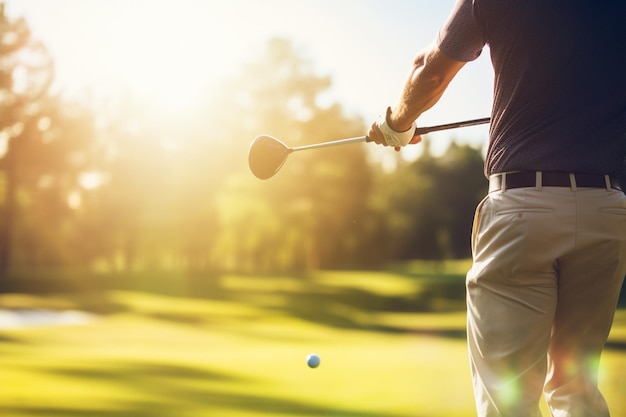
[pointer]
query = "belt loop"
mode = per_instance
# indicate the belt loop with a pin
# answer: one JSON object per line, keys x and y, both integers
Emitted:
{"x": 538, "y": 180}
{"x": 607, "y": 183}
{"x": 572, "y": 181}
{"x": 503, "y": 185}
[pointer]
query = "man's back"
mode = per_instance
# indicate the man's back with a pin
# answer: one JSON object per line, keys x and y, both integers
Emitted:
{"x": 560, "y": 96}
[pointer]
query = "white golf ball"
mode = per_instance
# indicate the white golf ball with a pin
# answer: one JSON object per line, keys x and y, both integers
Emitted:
{"x": 313, "y": 360}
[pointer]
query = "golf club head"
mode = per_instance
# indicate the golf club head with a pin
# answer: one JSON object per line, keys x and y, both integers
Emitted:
{"x": 266, "y": 155}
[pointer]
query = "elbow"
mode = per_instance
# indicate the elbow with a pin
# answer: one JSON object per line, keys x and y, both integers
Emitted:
{"x": 434, "y": 68}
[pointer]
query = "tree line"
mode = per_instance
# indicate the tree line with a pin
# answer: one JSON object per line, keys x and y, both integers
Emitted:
{"x": 116, "y": 184}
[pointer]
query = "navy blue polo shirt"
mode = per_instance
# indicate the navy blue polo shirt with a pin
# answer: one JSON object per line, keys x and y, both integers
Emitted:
{"x": 560, "y": 81}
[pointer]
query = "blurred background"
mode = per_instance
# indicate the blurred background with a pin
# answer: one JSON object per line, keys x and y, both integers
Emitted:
{"x": 128, "y": 209}
{"x": 126, "y": 126}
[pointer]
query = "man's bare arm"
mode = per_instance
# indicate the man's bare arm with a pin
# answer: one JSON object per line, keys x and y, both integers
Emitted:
{"x": 430, "y": 75}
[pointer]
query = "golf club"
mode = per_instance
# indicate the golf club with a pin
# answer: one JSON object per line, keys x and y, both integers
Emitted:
{"x": 267, "y": 154}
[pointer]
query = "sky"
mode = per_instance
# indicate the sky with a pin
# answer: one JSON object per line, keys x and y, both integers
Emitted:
{"x": 365, "y": 46}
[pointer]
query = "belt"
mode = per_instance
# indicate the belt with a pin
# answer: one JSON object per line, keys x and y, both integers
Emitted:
{"x": 538, "y": 179}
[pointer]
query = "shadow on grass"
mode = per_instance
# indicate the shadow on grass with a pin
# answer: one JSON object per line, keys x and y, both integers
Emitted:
{"x": 211, "y": 405}
{"x": 135, "y": 371}
{"x": 11, "y": 339}
{"x": 170, "y": 390}
{"x": 320, "y": 302}
{"x": 354, "y": 308}
{"x": 181, "y": 318}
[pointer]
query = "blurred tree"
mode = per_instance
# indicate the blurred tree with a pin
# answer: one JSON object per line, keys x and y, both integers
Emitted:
{"x": 429, "y": 204}
{"x": 134, "y": 209}
{"x": 462, "y": 186}
{"x": 300, "y": 218}
{"x": 46, "y": 145}
{"x": 404, "y": 200}
{"x": 48, "y": 160}
{"x": 157, "y": 208}
{"x": 26, "y": 72}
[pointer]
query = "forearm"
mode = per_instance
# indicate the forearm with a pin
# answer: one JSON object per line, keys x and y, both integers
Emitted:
{"x": 430, "y": 75}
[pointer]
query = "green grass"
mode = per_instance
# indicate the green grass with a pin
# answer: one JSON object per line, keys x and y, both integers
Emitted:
{"x": 391, "y": 346}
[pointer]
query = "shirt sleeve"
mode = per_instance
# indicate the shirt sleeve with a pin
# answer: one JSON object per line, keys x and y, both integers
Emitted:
{"x": 461, "y": 37}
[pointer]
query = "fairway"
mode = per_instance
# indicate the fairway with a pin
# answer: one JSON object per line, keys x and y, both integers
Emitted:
{"x": 390, "y": 346}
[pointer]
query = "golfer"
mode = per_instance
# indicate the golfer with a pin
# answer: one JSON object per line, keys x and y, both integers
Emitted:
{"x": 549, "y": 239}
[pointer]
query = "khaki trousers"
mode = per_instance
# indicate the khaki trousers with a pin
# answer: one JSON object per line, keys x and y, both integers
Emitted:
{"x": 541, "y": 296}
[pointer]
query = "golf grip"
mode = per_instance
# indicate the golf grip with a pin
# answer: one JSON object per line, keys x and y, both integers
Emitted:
{"x": 428, "y": 129}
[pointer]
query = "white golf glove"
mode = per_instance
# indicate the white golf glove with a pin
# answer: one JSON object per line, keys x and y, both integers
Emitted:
{"x": 393, "y": 138}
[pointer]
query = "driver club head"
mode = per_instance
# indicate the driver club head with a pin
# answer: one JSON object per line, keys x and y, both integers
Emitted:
{"x": 266, "y": 156}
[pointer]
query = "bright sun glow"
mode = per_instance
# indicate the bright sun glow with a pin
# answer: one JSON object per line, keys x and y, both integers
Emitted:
{"x": 167, "y": 53}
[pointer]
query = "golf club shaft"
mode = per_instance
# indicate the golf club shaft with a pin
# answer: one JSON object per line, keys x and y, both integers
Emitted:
{"x": 455, "y": 125}
{"x": 331, "y": 143}
{"x": 418, "y": 131}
